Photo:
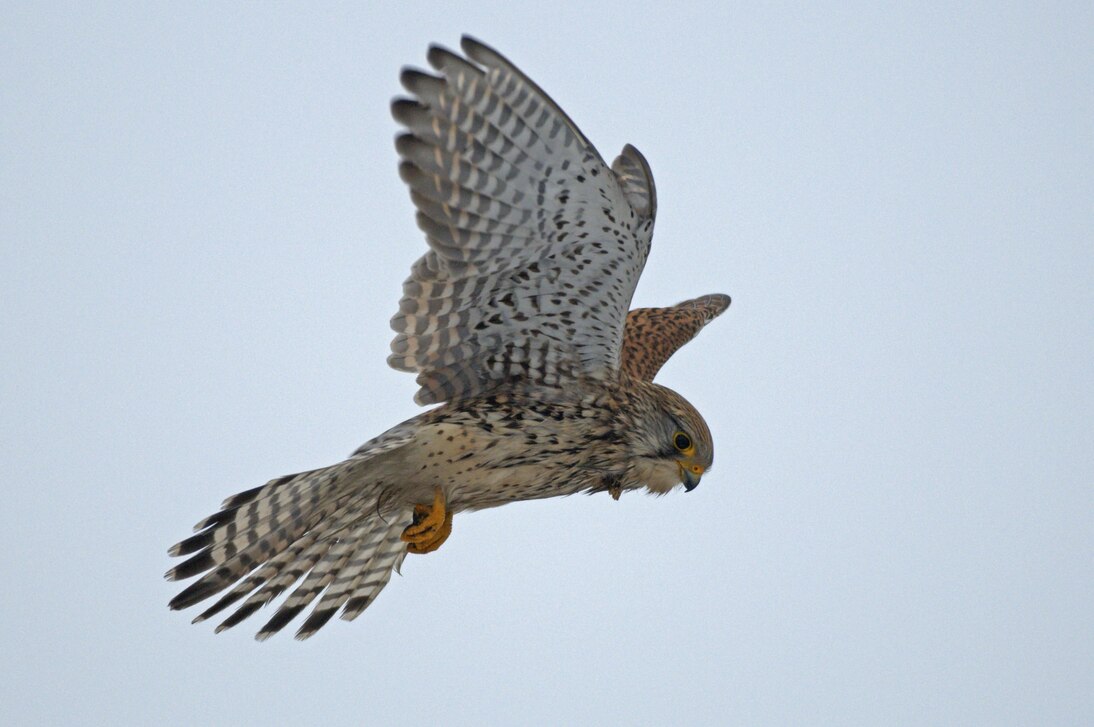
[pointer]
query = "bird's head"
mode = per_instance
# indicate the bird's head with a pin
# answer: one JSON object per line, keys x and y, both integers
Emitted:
{"x": 673, "y": 444}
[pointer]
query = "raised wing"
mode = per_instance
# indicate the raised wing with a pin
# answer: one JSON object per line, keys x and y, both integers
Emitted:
{"x": 536, "y": 245}
{"x": 652, "y": 335}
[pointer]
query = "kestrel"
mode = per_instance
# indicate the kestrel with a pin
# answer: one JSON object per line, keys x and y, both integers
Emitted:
{"x": 516, "y": 322}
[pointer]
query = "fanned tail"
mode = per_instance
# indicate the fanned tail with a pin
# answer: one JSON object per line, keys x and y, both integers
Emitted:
{"x": 329, "y": 526}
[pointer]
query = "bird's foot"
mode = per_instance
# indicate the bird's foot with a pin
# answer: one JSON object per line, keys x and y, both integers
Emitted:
{"x": 431, "y": 527}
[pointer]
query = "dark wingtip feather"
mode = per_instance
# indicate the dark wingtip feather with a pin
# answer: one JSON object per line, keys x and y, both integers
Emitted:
{"x": 719, "y": 301}
{"x": 406, "y": 110}
{"x": 413, "y": 176}
{"x": 416, "y": 81}
{"x": 225, "y": 601}
{"x": 240, "y": 614}
{"x": 195, "y": 593}
{"x": 354, "y": 607}
{"x": 246, "y": 496}
{"x": 192, "y": 544}
{"x": 473, "y": 46}
{"x": 217, "y": 518}
{"x": 200, "y": 563}
{"x": 438, "y": 56}
{"x": 715, "y": 304}
{"x": 409, "y": 145}
{"x": 316, "y": 621}
{"x": 283, "y": 616}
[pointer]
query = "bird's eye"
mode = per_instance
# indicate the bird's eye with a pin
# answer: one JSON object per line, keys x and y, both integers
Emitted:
{"x": 682, "y": 442}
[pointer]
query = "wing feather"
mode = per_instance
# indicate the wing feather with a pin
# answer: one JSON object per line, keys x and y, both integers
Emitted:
{"x": 652, "y": 335}
{"x": 535, "y": 244}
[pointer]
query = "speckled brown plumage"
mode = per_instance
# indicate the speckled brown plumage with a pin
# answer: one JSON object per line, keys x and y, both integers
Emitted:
{"x": 515, "y": 320}
{"x": 654, "y": 334}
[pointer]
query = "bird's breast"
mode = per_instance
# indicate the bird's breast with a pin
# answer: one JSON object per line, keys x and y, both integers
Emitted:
{"x": 482, "y": 463}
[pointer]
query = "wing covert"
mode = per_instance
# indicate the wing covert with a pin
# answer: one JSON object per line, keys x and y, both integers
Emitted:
{"x": 652, "y": 335}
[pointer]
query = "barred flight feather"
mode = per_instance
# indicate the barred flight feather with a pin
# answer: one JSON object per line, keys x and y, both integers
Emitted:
{"x": 536, "y": 245}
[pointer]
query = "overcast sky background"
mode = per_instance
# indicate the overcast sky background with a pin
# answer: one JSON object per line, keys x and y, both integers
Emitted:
{"x": 202, "y": 237}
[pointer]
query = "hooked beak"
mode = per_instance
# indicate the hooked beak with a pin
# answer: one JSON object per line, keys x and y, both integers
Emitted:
{"x": 690, "y": 476}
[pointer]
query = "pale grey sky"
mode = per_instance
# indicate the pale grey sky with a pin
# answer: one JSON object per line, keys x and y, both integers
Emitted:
{"x": 202, "y": 237}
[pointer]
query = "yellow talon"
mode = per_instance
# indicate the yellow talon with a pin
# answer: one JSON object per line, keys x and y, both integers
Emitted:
{"x": 431, "y": 527}
{"x": 441, "y": 536}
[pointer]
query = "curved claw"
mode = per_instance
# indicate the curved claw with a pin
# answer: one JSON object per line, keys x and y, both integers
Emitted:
{"x": 431, "y": 527}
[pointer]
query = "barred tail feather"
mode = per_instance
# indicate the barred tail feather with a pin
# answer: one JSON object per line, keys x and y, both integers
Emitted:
{"x": 326, "y": 526}
{"x": 369, "y": 556}
{"x": 261, "y": 578}
{"x": 372, "y": 579}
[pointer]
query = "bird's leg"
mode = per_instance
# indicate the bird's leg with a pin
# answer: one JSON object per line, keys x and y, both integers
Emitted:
{"x": 431, "y": 527}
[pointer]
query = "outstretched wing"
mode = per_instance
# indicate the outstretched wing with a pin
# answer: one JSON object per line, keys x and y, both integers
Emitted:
{"x": 652, "y": 335}
{"x": 536, "y": 245}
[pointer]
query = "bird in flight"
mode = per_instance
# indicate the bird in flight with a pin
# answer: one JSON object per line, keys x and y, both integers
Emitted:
{"x": 515, "y": 321}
